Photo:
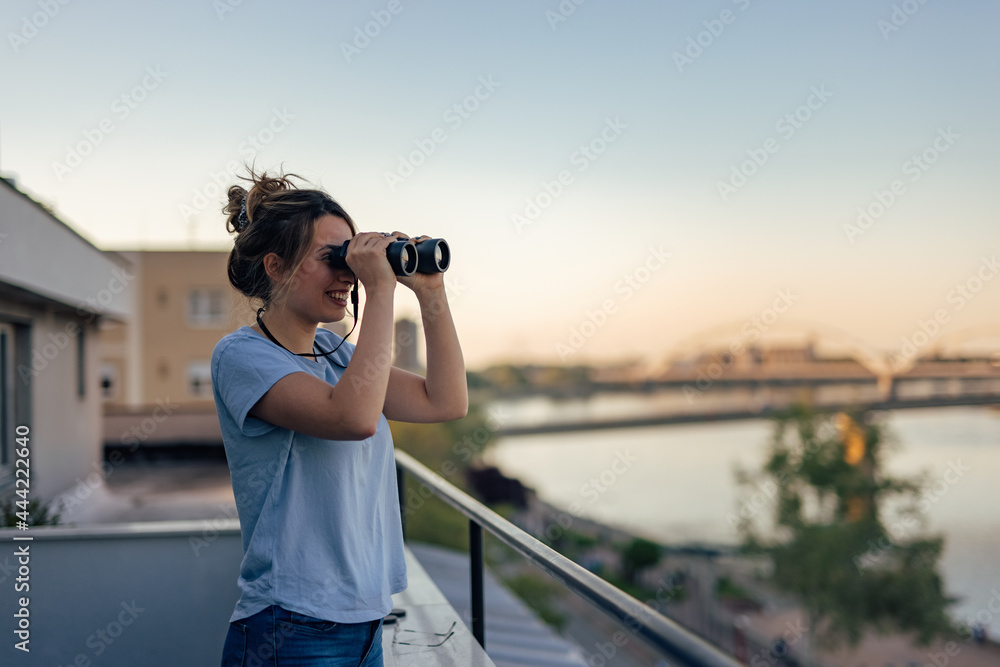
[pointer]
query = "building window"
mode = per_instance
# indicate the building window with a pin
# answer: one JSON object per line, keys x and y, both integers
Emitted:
{"x": 207, "y": 308}
{"x": 199, "y": 378}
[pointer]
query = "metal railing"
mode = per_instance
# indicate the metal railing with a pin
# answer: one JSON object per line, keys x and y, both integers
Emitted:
{"x": 672, "y": 640}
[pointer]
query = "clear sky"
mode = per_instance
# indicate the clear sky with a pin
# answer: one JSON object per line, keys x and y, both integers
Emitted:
{"x": 636, "y": 172}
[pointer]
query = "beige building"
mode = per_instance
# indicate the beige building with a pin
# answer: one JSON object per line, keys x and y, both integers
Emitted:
{"x": 406, "y": 351}
{"x": 183, "y": 305}
{"x": 155, "y": 369}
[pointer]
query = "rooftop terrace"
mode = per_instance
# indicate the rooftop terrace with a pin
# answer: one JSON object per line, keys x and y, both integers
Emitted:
{"x": 124, "y": 584}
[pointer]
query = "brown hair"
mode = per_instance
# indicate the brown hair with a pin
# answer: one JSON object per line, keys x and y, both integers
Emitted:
{"x": 280, "y": 218}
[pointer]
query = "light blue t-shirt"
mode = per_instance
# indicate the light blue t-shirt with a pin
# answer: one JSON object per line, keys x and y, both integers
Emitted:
{"x": 319, "y": 518}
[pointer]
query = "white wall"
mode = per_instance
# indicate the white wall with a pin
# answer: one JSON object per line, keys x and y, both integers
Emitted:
{"x": 67, "y": 285}
{"x": 41, "y": 254}
{"x": 66, "y": 429}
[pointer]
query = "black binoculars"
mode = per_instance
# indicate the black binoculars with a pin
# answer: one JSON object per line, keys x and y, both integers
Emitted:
{"x": 405, "y": 257}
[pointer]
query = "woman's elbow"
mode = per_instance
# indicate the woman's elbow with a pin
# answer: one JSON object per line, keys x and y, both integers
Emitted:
{"x": 359, "y": 430}
{"x": 459, "y": 410}
{"x": 446, "y": 411}
{"x": 366, "y": 432}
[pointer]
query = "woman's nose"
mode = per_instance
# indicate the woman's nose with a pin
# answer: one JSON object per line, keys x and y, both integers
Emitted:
{"x": 345, "y": 276}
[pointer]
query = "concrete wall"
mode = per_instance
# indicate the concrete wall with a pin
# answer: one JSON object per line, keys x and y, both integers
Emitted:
{"x": 128, "y": 594}
{"x": 65, "y": 427}
{"x": 164, "y": 424}
{"x": 55, "y": 288}
{"x": 44, "y": 256}
{"x": 66, "y": 432}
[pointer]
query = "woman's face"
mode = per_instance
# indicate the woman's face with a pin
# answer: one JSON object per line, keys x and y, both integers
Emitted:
{"x": 320, "y": 293}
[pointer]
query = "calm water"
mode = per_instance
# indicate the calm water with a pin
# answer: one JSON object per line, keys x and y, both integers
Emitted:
{"x": 676, "y": 483}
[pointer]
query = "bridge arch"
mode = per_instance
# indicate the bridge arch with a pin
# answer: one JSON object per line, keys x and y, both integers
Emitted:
{"x": 951, "y": 341}
{"x": 882, "y": 364}
{"x": 858, "y": 349}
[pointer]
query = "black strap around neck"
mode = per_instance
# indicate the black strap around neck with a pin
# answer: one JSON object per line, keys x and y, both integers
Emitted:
{"x": 274, "y": 340}
{"x": 354, "y": 301}
{"x": 316, "y": 346}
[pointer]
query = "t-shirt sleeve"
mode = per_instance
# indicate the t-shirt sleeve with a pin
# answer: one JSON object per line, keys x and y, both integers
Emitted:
{"x": 243, "y": 371}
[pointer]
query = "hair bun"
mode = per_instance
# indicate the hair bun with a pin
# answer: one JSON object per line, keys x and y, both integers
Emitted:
{"x": 274, "y": 216}
{"x": 235, "y": 208}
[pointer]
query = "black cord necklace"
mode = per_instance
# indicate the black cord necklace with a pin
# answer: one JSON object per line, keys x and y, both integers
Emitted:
{"x": 354, "y": 300}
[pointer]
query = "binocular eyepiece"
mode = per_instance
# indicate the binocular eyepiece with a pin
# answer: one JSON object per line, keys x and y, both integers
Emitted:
{"x": 405, "y": 257}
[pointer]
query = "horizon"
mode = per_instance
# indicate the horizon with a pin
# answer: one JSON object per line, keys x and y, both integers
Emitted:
{"x": 628, "y": 178}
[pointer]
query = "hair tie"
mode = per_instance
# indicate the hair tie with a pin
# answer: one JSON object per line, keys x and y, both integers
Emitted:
{"x": 242, "y": 220}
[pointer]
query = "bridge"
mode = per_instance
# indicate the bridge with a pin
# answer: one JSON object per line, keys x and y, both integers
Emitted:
{"x": 717, "y": 382}
{"x": 763, "y": 412}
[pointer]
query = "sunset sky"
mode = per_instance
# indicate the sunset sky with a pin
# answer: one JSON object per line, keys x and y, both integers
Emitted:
{"x": 616, "y": 179}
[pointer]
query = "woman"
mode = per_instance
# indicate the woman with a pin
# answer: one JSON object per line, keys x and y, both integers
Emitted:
{"x": 303, "y": 417}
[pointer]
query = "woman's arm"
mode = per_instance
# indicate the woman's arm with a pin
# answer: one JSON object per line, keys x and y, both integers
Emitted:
{"x": 444, "y": 394}
{"x": 351, "y": 409}
{"x": 348, "y": 410}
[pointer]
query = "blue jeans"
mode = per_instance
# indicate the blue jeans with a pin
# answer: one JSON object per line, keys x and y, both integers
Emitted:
{"x": 276, "y": 636}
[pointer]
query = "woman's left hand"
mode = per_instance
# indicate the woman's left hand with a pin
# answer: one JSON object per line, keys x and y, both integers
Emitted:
{"x": 419, "y": 282}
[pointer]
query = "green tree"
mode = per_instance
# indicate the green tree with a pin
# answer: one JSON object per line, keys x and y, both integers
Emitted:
{"x": 852, "y": 569}
{"x": 638, "y": 555}
{"x": 447, "y": 448}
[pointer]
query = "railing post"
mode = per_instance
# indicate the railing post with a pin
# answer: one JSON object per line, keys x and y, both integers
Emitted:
{"x": 476, "y": 571}
{"x": 682, "y": 646}
{"x": 400, "y": 488}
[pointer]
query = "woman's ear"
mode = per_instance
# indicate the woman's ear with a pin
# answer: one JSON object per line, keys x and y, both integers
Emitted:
{"x": 274, "y": 266}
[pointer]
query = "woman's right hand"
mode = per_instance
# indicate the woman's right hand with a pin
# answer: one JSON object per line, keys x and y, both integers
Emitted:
{"x": 366, "y": 258}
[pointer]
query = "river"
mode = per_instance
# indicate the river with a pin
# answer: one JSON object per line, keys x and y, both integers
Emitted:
{"x": 675, "y": 484}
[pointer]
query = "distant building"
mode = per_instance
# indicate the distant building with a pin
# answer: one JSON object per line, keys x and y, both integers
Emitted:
{"x": 406, "y": 350}
{"x": 159, "y": 363}
{"x": 156, "y": 376}
{"x": 183, "y": 305}
{"x": 803, "y": 354}
{"x": 749, "y": 358}
{"x": 56, "y": 290}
